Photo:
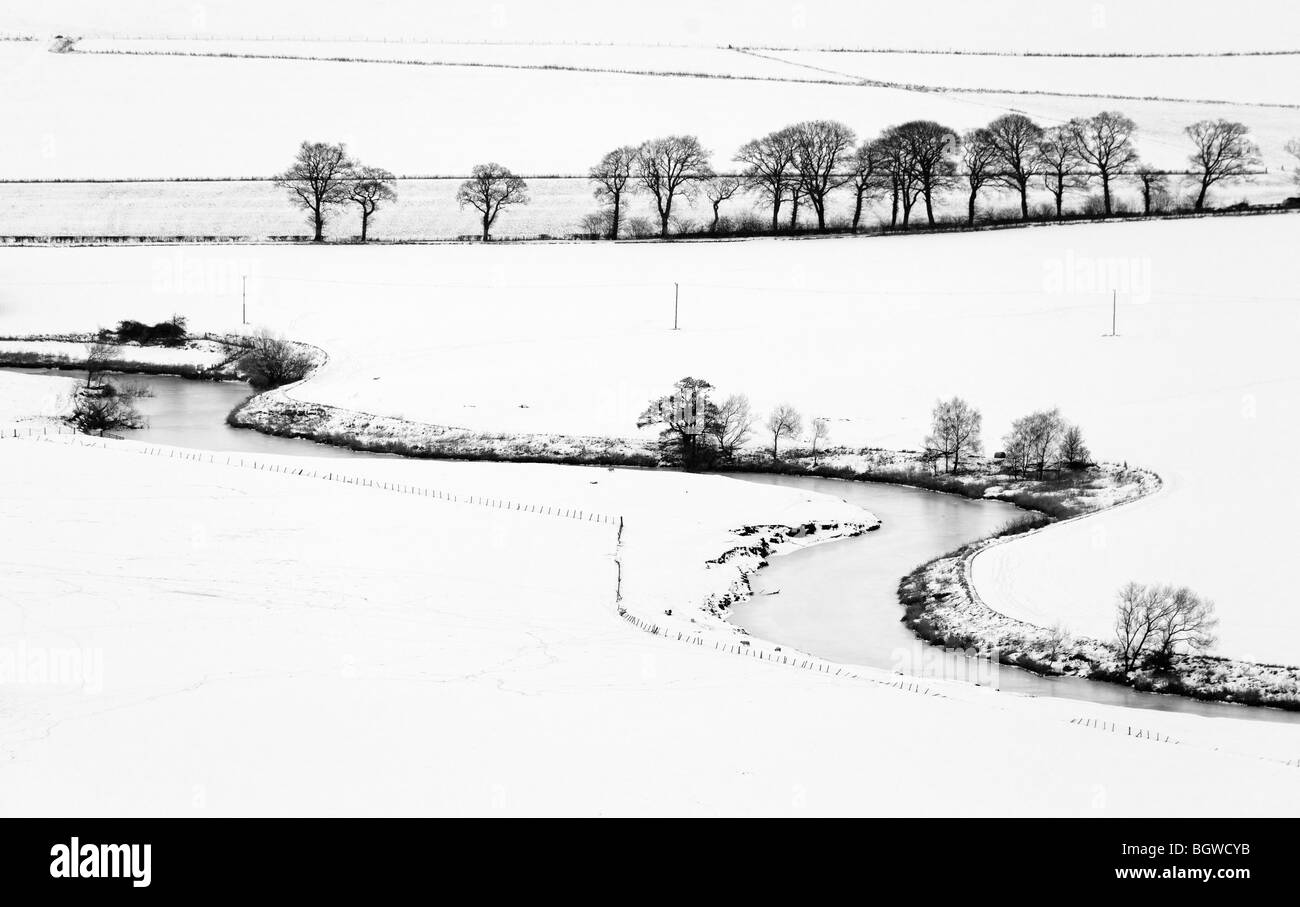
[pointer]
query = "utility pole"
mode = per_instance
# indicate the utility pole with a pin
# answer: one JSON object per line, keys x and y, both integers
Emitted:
{"x": 1114, "y": 305}
{"x": 676, "y": 294}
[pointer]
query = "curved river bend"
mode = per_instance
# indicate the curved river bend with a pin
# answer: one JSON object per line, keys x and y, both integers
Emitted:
{"x": 837, "y": 601}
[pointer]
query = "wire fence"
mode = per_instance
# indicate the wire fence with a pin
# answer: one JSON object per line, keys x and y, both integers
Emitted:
{"x": 329, "y": 475}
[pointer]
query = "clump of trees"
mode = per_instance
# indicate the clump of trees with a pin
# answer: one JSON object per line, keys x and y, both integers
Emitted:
{"x": 1155, "y": 622}
{"x": 323, "y": 177}
{"x": 696, "y": 432}
{"x": 98, "y": 405}
{"x": 490, "y": 188}
{"x": 271, "y": 361}
{"x": 171, "y": 332}
{"x": 1044, "y": 440}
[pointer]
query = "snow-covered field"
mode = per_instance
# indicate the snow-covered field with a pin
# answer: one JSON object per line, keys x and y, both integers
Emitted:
{"x": 574, "y": 339}
{"x": 224, "y": 643}
{"x": 223, "y": 117}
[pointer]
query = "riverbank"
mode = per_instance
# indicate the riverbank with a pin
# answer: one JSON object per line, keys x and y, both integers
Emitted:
{"x": 934, "y": 617}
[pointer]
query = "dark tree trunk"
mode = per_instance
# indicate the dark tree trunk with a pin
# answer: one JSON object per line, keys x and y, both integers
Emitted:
{"x": 893, "y": 214}
{"x": 365, "y": 222}
{"x": 318, "y": 218}
{"x": 1105, "y": 192}
{"x": 487, "y": 225}
{"x": 1200, "y": 198}
{"x": 857, "y": 212}
{"x": 613, "y": 230}
{"x": 664, "y": 214}
{"x": 970, "y": 207}
{"x": 929, "y": 206}
{"x": 1024, "y": 200}
{"x": 776, "y": 210}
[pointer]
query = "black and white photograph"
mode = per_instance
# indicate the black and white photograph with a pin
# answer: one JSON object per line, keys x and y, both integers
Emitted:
{"x": 708, "y": 409}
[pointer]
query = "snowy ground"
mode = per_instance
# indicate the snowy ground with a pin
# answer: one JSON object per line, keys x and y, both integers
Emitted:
{"x": 228, "y": 645}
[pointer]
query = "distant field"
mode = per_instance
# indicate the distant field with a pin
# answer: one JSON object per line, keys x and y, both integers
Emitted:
{"x": 87, "y": 115}
{"x": 1247, "y": 80}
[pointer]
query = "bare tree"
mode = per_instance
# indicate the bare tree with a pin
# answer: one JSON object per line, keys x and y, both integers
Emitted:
{"x": 821, "y": 431}
{"x": 768, "y": 164}
{"x": 490, "y": 188}
{"x": 1105, "y": 143}
{"x": 1134, "y": 628}
{"x": 1034, "y": 440}
{"x": 671, "y": 167}
{"x": 1073, "y": 450}
{"x": 955, "y": 428}
{"x": 1155, "y": 185}
{"x": 1059, "y": 164}
{"x": 928, "y": 150}
{"x": 1222, "y": 152}
{"x": 783, "y": 422}
{"x": 1016, "y": 138}
{"x": 611, "y": 177}
{"x": 866, "y": 177}
{"x": 98, "y": 355}
{"x": 1157, "y": 621}
{"x": 1184, "y": 620}
{"x": 731, "y": 425}
{"x": 688, "y": 416}
{"x": 718, "y": 190}
{"x": 318, "y": 178}
{"x": 368, "y": 187}
{"x": 979, "y": 158}
{"x": 821, "y": 155}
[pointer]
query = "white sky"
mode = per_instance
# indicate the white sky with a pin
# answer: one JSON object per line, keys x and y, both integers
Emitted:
{"x": 1067, "y": 25}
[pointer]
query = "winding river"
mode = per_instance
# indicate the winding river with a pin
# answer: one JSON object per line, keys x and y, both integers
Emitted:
{"x": 837, "y": 600}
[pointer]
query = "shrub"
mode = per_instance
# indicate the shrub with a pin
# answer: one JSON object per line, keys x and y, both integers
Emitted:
{"x": 272, "y": 361}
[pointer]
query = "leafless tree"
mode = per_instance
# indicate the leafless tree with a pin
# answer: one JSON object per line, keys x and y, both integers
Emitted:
{"x": 955, "y": 428}
{"x": 670, "y": 167}
{"x": 731, "y": 425}
{"x": 1134, "y": 628}
{"x": 1157, "y": 621}
{"x": 718, "y": 190}
{"x": 1073, "y": 450}
{"x": 820, "y": 431}
{"x": 979, "y": 157}
{"x": 866, "y": 177}
{"x": 612, "y": 177}
{"x": 1059, "y": 164}
{"x": 98, "y": 355}
{"x": 1222, "y": 152}
{"x": 768, "y": 168}
{"x": 368, "y": 187}
{"x": 783, "y": 422}
{"x": 271, "y": 361}
{"x": 1034, "y": 440}
{"x": 929, "y": 147}
{"x": 1155, "y": 185}
{"x": 490, "y": 188}
{"x": 318, "y": 178}
{"x": 1184, "y": 620}
{"x": 1016, "y": 138}
{"x": 822, "y": 149}
{"x": 1105, "y": 143}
